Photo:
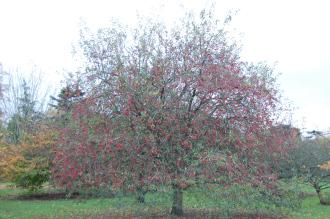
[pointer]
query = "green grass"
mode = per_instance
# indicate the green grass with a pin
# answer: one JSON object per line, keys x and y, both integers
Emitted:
{"x": 235, "y": 199}
{"x": 312, "y": 209}
{"x": 67, "y": 208}
{"x": 47, "y": 209}
{"x": 63, "y": 208}
{"x": 197, "y": 199}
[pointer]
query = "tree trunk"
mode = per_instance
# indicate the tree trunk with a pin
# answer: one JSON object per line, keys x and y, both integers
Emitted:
{"x": 141, "y": 195}
{"x": 318, "y": 191}
{"x": 323, "y": 201}
{"x": 140, "y": 198}
{"x": 320, "y": 197}
{"x": 319, "y": 194}
{"x": 177, "y": 201}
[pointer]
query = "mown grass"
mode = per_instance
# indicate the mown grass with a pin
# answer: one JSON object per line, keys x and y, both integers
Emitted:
{"x": 235, "y": 199}
{"x": 60, "y": 208}
{"x": 312, "y": 209}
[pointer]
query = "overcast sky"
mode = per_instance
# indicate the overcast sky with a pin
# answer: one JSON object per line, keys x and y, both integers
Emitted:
{"x": 293, "y": 34}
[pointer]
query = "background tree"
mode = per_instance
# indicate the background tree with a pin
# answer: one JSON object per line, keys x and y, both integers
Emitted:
{"x": 69, "y": 95}
{"x": 23, "y": 103}
{"x": 170, "y": 106}
{"x": 283, "y": 165}
{"x": 25, "y": 118}
{"x": 64, "y": 103}
{"x": 27, "y": 163}
{"x": 25, "y": 151}
{"x": 67, "y": 98}
{"x": 309, "y": 161}
{"x": 2, "y": 87}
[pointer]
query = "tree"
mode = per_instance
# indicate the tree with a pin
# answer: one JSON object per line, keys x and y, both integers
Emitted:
{"x": 67, "y": 98}
{"x": 2, "y": 89}
{"x": 27, "y": 163}
{"x": 283, "y": 165}
{"x": 171, "y": 106}
{"x": 1, "y": 80}
{"x": 22, "y": 103}
{"x": 309, "y": 162}
{"x": 26, "y": 116}
{"x": 25, "y": 144}
{"x": 69, "y": 95}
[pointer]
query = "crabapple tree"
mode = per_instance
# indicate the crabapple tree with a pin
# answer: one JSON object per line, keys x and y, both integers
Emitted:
{"x": 173, "y": 106}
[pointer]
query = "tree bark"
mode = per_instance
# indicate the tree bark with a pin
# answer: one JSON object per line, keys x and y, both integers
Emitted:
{"x": 177, "y": 201}
{"x": 323, "y": 201}
{"x": 141, "y": 195}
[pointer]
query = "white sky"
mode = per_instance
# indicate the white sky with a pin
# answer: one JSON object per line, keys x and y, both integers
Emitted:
{"x": 294, "y": 34}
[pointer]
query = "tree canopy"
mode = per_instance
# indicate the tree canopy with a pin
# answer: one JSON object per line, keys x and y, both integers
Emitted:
{"x": 174, "y": 106}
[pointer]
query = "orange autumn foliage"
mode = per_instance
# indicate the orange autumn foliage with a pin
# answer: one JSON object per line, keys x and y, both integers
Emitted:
{"x": 31, "y": 155}
{"x": 326, "y": 142}
{"x": 325, "y": 166}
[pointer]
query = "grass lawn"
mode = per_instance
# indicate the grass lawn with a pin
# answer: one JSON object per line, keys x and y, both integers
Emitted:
{"x": 72, "y": 208}
{"x": 311, "y": 208}
{"x": 156, "y": 203}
